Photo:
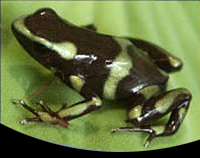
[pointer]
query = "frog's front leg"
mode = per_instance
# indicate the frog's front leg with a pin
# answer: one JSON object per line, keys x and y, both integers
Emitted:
{"x": 66, "y": 113}
{"x": 176, "y": 101}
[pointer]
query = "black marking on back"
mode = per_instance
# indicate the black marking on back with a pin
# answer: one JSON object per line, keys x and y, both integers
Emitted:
{"x": 45, "y": 23}
{"x": 143, "y": 73}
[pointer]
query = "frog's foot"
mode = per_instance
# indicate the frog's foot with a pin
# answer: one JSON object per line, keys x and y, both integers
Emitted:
{"x": 154, "y": 131}
{"x": 44, "y": 115}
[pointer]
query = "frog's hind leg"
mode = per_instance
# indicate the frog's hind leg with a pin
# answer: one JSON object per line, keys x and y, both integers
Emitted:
{"x": 175, "y": 101}
{"x": 158, "y": 55}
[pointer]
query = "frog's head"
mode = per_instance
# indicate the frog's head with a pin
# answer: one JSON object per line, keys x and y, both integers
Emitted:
{"x": 41, "y": 35}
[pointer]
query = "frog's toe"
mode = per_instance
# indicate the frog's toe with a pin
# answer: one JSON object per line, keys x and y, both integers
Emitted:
{"x": 154, "y": 131}
{"x": 25, "y": 121}
{"x": 44, "y": 115}
{"x": 21, "y": 102}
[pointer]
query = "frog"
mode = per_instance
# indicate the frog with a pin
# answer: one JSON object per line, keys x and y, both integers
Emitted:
{"x": 103, "y": 67}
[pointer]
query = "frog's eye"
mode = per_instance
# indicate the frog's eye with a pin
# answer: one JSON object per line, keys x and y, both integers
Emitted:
{"x": 45, "y": 13}
{"x": 45, "y": 23}
{"x": 44, "y": 20}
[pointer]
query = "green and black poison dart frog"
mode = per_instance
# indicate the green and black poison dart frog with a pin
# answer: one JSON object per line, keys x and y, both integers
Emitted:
{"x": 100, "y": 67}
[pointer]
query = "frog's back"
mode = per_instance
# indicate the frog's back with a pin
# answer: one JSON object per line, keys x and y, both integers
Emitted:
{"x": 143, "y": 73}
{"x": 112, "y": 67}
{"x": 118, "y": 76}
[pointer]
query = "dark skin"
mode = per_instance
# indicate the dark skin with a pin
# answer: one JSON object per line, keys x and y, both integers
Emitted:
{"x": 100, "y": 67}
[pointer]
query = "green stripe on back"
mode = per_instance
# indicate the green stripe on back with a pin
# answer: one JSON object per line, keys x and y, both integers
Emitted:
{"x": 66, "y": 50}
{"x": 118, "y": 69}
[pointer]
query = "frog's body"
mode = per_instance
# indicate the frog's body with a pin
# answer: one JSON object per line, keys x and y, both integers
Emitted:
{"x": 103, "y": 67}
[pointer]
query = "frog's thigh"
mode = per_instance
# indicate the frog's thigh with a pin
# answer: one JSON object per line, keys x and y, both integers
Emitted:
{"x": 175, "y": 101}
{"x": 135, "y": 108}
{"x": 159, "y": 56}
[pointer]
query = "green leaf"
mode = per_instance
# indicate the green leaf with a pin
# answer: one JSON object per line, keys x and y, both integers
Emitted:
{"x": 172, "y": 25}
